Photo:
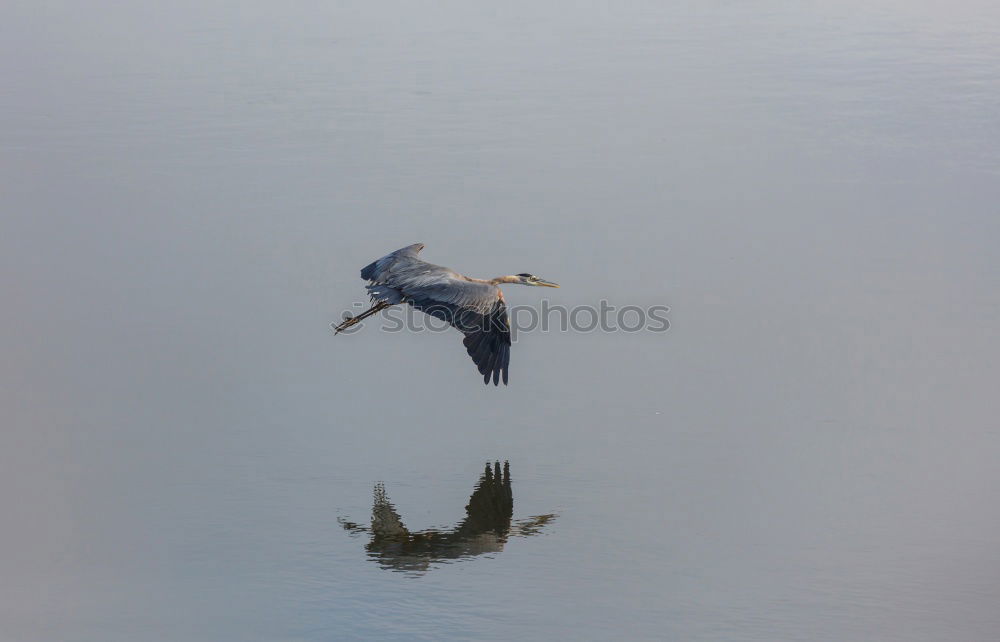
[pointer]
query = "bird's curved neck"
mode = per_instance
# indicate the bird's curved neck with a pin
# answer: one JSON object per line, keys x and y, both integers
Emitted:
{"x": 505, "y": 279}
{"x": 497, "y": 281}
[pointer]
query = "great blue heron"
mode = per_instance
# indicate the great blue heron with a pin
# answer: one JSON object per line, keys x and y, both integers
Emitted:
{"x": 474, "y": 306}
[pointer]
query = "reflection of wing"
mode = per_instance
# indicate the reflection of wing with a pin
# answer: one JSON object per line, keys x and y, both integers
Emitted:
{"x": 491, "y": 505}
{"x": 485, "y": 529}
{"x": 386, "y": 522}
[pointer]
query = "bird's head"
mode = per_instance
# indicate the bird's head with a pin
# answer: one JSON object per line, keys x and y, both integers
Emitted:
{"x": 530, "y": 279}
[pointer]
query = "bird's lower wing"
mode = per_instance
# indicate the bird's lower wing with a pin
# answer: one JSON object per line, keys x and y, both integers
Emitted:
{"x": 487, "y": 336}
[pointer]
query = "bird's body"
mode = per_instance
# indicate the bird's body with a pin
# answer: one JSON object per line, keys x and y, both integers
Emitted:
{"x": 474, "y": 306}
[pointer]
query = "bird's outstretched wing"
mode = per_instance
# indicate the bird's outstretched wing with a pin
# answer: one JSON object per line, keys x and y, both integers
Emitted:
{"x": 487, "y": 336}
{"x": 379, "y": 270}
{"x": 473, "y": 307}
{"x": 489, "y": 345}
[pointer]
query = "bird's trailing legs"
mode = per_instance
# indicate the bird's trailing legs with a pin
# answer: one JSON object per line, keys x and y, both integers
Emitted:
{"x": 378, "y": 307}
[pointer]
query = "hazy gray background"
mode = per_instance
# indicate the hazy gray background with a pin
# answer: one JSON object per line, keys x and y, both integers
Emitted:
{"x": 189, "y": 189}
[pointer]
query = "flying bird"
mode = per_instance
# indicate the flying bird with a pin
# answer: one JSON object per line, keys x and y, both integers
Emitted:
{"x": 474, "y": 306}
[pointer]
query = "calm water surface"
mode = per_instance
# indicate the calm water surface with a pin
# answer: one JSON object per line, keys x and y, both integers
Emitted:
{"x": 810, "y": 453}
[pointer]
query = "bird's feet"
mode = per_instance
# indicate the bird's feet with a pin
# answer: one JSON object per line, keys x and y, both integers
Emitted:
{"x": 352, "y": 320}
{"x": 349, "y": 320}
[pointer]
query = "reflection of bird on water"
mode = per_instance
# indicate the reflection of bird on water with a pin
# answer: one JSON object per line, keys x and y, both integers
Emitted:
{"x": 485, "y": 529}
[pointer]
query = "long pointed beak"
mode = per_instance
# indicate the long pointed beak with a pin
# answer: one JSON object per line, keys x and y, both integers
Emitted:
{"x": 548, "y": 284}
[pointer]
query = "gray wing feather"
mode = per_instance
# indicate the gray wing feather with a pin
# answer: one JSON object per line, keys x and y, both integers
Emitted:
{"x": 376, "y": 270}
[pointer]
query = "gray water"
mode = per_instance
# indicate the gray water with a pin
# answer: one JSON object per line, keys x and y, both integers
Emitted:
{"x": 189, "y": 189}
